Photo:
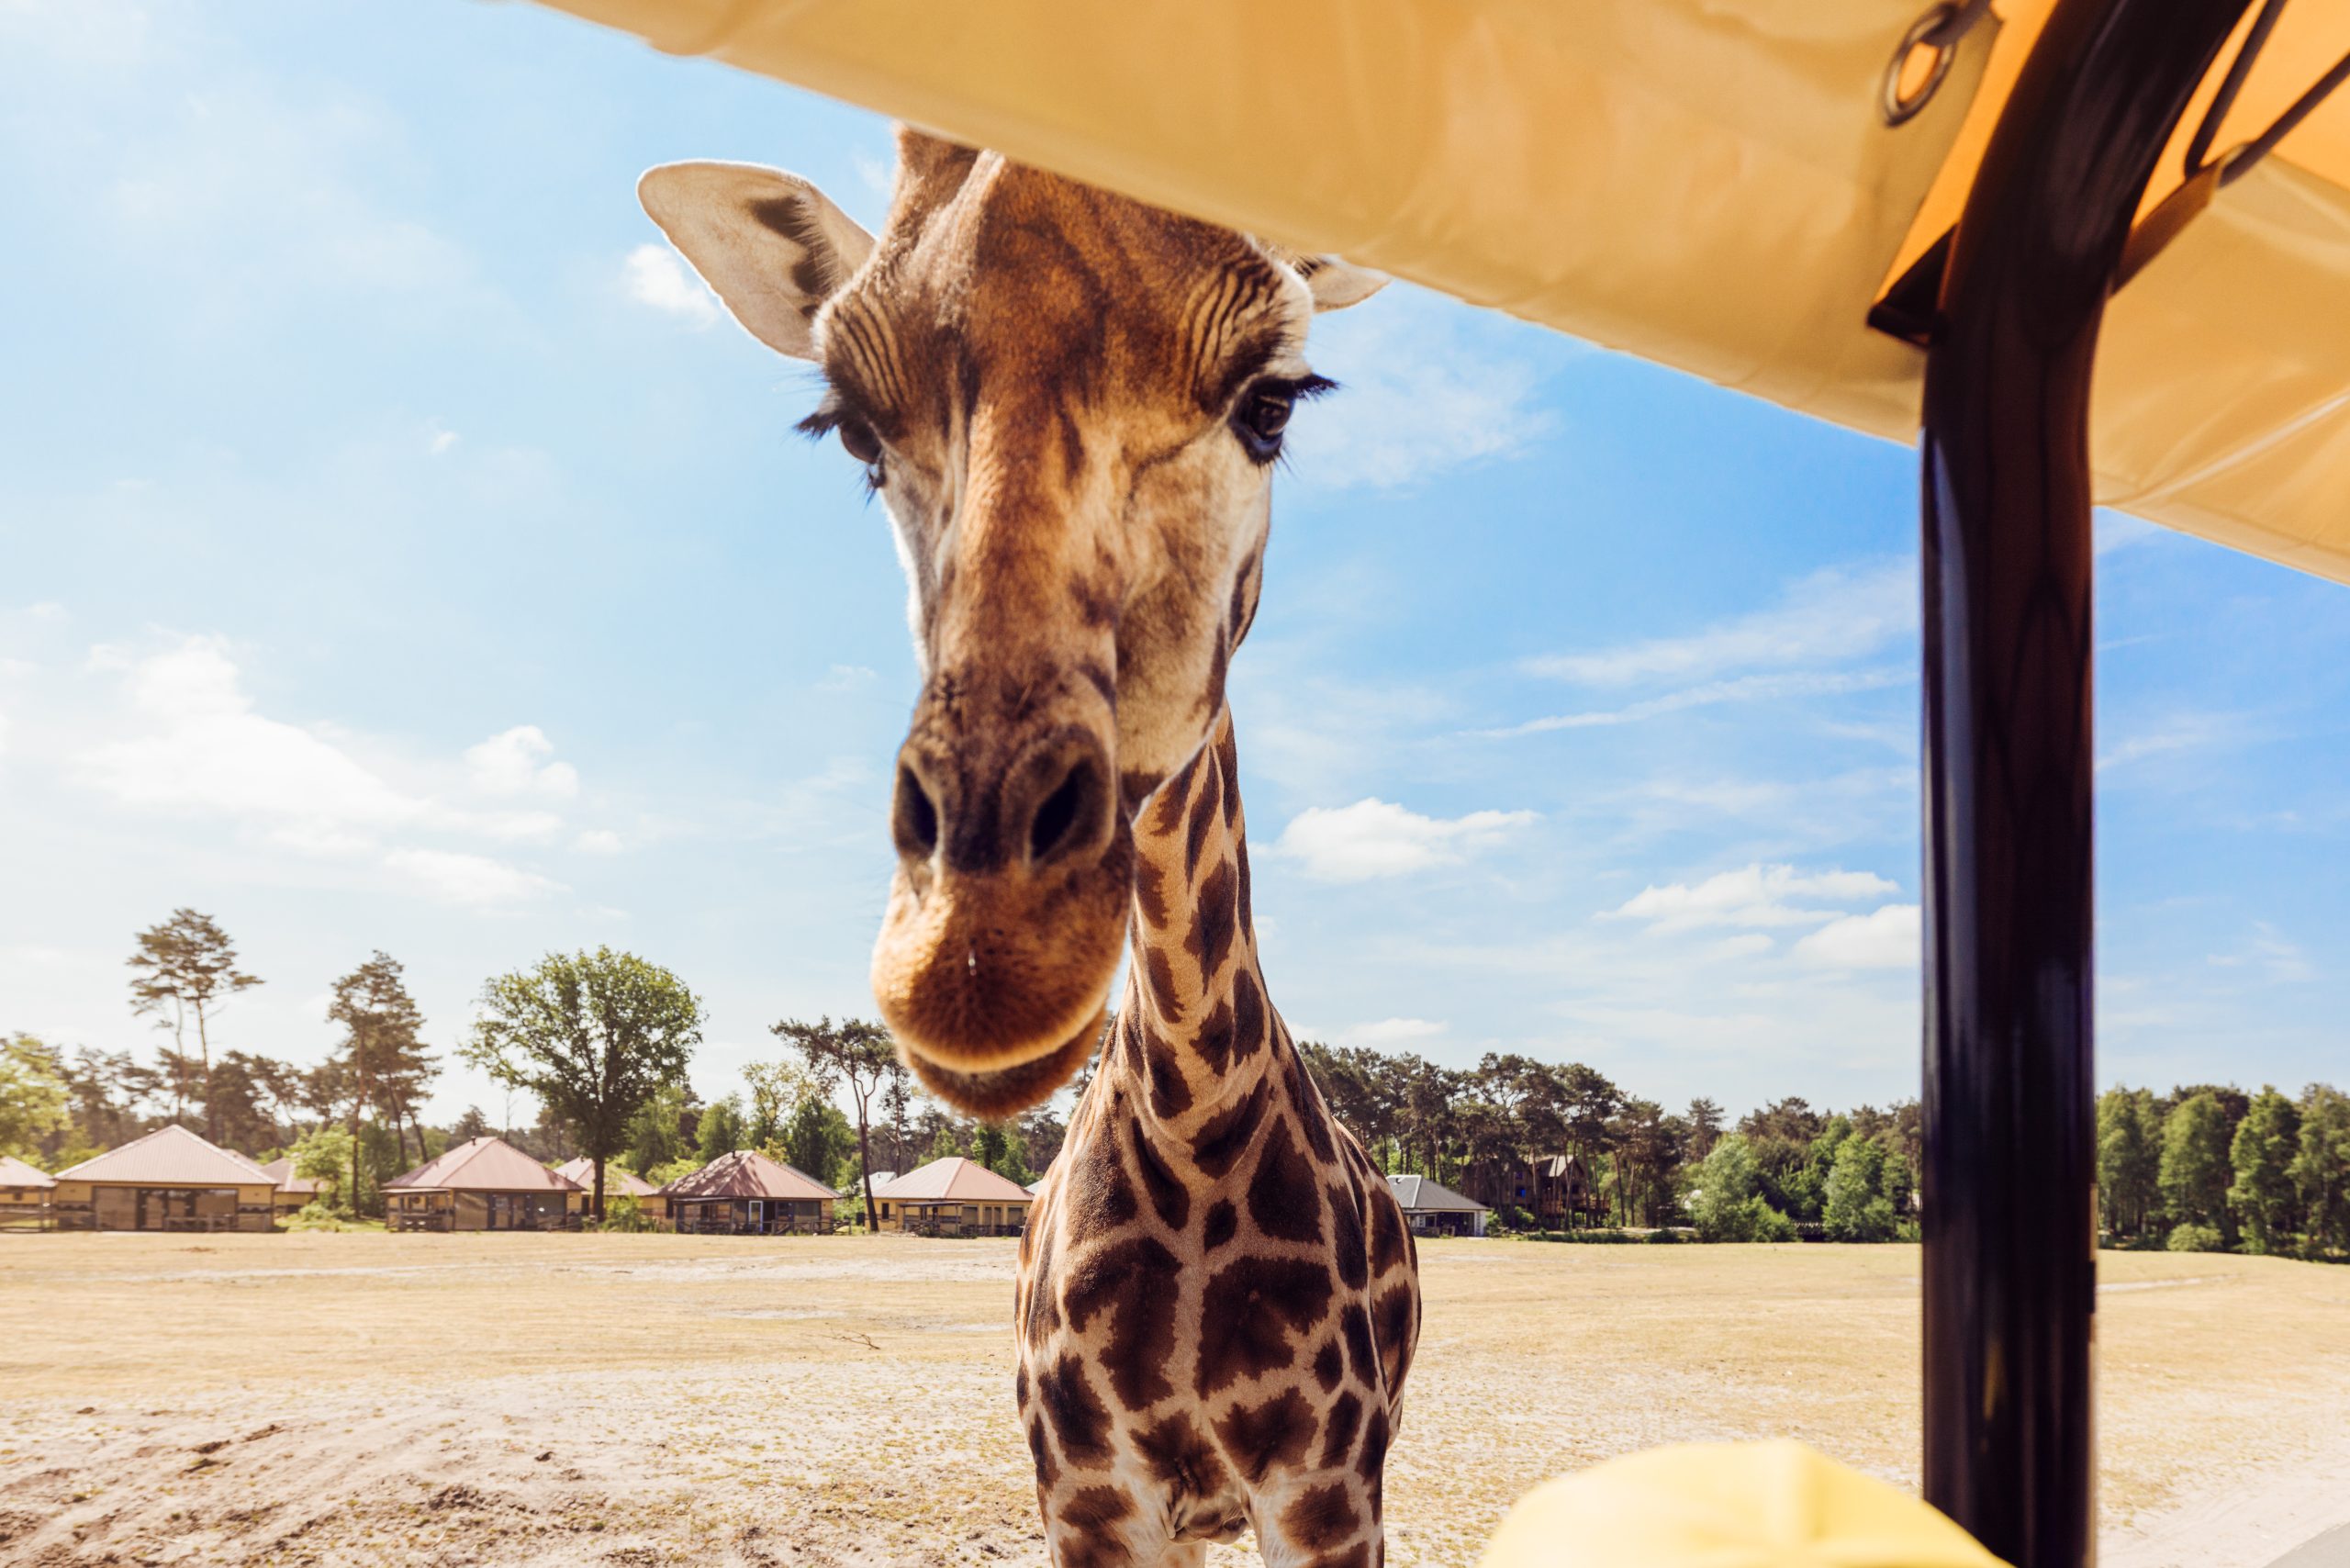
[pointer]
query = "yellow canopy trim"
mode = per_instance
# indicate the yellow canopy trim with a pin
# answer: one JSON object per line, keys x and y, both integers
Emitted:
{"x": 1770, "y": 1504}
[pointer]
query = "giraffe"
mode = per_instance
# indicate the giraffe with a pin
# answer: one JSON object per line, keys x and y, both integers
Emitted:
{"x": 1071, "y": 404}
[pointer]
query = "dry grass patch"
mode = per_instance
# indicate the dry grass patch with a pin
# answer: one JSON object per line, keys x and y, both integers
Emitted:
{"x": 411, "y": 1400}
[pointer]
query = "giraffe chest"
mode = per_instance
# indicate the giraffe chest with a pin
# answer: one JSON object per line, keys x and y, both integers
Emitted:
{"x": 1195, "y": 1330}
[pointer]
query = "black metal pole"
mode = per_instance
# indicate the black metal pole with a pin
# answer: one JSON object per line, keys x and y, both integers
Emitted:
{"x": 2009, "y": 1179}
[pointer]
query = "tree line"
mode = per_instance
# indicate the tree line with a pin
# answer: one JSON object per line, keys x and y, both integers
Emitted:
{"x": 2211, "y": 1169}
{"x": 600, "y": 1045}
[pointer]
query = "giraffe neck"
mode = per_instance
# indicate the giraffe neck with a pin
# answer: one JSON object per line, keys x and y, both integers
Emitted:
{"x": 1196, "y": 1033}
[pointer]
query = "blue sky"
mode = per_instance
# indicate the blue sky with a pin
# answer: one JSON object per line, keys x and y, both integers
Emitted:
{"x": 399, "y": 550}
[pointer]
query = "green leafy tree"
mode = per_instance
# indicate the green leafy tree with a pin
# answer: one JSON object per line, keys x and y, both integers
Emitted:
{"x": 2195, "y": 1168}
{"x": 856, "y": 1053}
{"x": 592, "y": 1036}
{"x": 184, "y": 968}
{"x": 33, "y": 1097}
{"x": 1853, "y": 1207}
{"x": 2321, "y": 1170}
{"x": 1727, "y": 1202}
{"x": 723, "y": 1129}
{"x": 2263, "y": 1196}
{"x": 655, "y": 1133}
{"x": 328, "y": 1156}
{"x": 2129, "y": 1161}
{"x": 817, "y": 1138}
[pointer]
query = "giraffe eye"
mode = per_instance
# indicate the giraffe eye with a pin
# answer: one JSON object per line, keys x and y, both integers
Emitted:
{"x": 1262, "y": 417}
{"x": 1261, "y": 420}
{"x": 859, "y": 441}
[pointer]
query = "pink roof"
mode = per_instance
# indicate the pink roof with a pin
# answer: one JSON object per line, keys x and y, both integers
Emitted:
{"x": 747, "y": 1173}
{"x": 953, "y": 1179}
{"x": 582, "y": 1171}
{"x": 15, "y": 1172}
{"x": 171, "y": 1156}
{"x": 281, "y": 1173}
{"x": 486, "y": 1164}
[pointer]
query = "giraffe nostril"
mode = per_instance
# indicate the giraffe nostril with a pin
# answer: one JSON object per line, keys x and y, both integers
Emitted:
{"x": 1058, "y": 813}
{"x": 913, "y": 818}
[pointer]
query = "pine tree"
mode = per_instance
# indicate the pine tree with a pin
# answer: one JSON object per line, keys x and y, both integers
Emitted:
{"x": 188, "y": 967}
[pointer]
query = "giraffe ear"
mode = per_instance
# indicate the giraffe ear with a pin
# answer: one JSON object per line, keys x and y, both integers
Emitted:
{"x": 1336, "y": 284}
{"x": 773, "y": 246}
{"x": 1333, "y": 284}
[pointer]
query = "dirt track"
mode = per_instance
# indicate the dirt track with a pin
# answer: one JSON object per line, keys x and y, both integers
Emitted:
{"x": 403, "y": 1401}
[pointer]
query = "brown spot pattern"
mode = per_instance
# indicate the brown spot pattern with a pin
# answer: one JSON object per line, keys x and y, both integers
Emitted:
{"x": 1251, "y": 1307}
{"x": 1284, "y": 1198}
{"x": 1135, "y": 1282}
{"x": 1261, "y": 1438}
{"x": 1321, "y": 1518}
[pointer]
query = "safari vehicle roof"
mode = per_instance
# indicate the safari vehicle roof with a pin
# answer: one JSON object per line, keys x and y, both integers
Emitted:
{"x": 1708, "y": 184}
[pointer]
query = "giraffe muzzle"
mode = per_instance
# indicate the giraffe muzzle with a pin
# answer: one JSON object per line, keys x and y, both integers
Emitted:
{"x": 1007, "y": 913}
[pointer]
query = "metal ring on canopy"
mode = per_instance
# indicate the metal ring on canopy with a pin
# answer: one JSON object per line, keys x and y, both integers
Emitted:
{"x": 1941, "y": 29}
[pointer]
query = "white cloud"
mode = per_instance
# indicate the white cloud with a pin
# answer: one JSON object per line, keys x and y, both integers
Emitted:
{"x": 1744, "y": 689}
{"x": 1840, "y": 613}
{"x": 2184, "y": 731}
{"x": 2270, "y": 952}
{"x": 1375, "y": 838}
{"x": 848, "y": 677}
{"x": 475, "y": 881}
{"x": 46, "y": 610}
{"x": 1390, "y": 1032}
{"x": 1755, "y": 895}
{"x": 598, "y": 840}
{"x": 1885, "y": 938}
{"x": 1418, "y": 395}
{"x": 204, "y": 750}
{"x": 439, "y": 439}
{"x": 657, "y": 276}
{"x": 509, "y": 763}
{"x": 1745, "y": 945}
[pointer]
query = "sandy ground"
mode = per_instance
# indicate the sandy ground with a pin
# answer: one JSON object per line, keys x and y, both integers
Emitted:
{"x": 402, "y": 1401}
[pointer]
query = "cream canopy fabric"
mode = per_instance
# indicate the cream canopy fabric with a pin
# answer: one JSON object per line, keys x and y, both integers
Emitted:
{"x": 1708, "y": 184}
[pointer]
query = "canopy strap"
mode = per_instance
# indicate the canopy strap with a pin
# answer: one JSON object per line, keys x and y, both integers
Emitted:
{"x": 2243, "y": 155}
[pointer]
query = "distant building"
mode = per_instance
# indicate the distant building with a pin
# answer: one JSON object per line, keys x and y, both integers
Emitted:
{"x": 582, "y": 1172}
{"x": 1430, "y": 1209}
{"x": 954, "y": 1196}
{"x": 293, "y": 1192}
{"x": 746, "y": 1193}
{"x": 25, "y": 1193}
{"x": 484, "y": 1183}
{"x": 170, "y": 1180}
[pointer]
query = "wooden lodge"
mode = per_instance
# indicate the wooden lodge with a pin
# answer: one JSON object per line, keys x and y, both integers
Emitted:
{"x": 953, "y": 1197}
{"x": 26, "y": 1195}
{"x": 484, "y": 1183}
{"x": 746, "y": 1193}
{"x": 650, "y": 1201}
{"x": 169, "y": 1179}
{"x": 293, "y": 1192}
{"x": 1431, "y": 1208}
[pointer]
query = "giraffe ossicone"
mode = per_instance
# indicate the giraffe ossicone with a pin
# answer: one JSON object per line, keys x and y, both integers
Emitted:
{"x": 1071, "y": 404}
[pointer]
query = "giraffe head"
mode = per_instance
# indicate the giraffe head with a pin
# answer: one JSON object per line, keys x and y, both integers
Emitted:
{"x": 1069, "y": 404}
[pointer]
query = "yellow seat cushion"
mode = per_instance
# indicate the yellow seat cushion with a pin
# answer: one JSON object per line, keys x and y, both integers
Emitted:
{"x": 1769, "y": 1504}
